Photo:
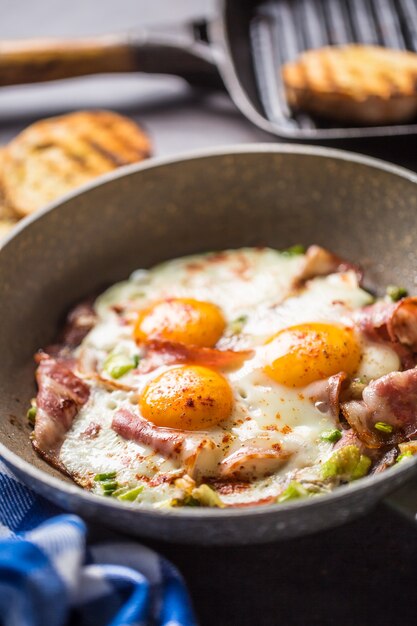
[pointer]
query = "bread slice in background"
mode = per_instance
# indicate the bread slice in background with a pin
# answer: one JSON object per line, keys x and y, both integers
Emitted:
{"x": 5, "y": 227}
{"x": 354, "y": 84}
{"x": 6, "y": 210}
{"x": 54, "y": 156}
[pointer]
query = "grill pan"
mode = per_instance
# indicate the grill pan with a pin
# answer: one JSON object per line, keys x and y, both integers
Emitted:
{"x": 242, "y": 49}
{"x": 278, "y": 31}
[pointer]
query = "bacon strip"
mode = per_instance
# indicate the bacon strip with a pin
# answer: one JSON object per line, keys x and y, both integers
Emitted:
{"x": 61, "y": 395}
{"x": 320, "y": 262}
{"x": 391, "y": 399}
{"x": 197, "y": 453}
{"x": 390, "y": 321}
{"x": 80, "y": 320}
{"x": 167, "y": 353}
{"x": 326, "y": 393}
{"x": 252, "y": 461}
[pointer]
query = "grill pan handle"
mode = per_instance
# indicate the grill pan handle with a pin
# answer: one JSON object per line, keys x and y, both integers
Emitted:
{"x": 181, "y": 50}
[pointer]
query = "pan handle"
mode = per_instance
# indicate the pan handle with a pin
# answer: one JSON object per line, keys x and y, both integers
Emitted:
{"x": 179, "y": 50}
{"x": 404, "y": 500}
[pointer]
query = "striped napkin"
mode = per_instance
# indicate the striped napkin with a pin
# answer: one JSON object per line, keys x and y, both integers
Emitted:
{"x": 49, "y": 577}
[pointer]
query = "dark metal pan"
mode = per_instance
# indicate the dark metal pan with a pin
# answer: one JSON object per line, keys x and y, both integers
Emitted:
{"x": 243, "y": 48}
{"x": 261, "y": 195}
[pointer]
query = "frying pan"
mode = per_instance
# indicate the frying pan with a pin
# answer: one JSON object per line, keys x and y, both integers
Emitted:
{"x": 242, "y": 49}
{"x": 260, "y": 195}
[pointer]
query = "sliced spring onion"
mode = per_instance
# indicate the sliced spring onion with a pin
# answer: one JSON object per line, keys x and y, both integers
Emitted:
{"x": 117, "y": 365}
{"x": 396, "y": 293}
{"x": 295, "y": 250}
{"x": 207, "y": 496}
{"x": 109, "y": 486}
{"x": 292, "y": 492}
{"x": 105, "y": 476}
{"x": 237, "y": 325}
{"x": 404, "y": 455}
{"x": 383, "y": 427}
{"x": 346, "y": 464}
{"x": 131, "y": 495}
{"x": 31, "y": 414}
{"x": 331, "y": 435}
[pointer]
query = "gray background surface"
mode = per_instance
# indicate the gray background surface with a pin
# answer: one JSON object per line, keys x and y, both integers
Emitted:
{"x": 360, "y": 574}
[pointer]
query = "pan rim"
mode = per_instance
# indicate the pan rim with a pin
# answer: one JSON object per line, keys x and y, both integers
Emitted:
{"x": 14, "y": 461}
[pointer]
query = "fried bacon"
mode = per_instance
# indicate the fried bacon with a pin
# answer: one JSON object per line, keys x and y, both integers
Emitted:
{"x": 391, "y": 401}
{"x": 80, "y": 320}
{"x": 168, "y": 353}
{"x": 326, "y": 393}
{"x": 320, "y": 262}
{"x": 60, "y": 396}
{"x": 252, "y": 460}
{"x": 197, "y": 453}
{"x": 390, "y": 321}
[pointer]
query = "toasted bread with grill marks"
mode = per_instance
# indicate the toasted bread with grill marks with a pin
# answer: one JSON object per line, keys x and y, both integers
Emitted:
{"x": 57, "y": 155}
{"x": 354, "y": 84}
{"x": 5, "y": 227}
{"x": 6, "y": 210}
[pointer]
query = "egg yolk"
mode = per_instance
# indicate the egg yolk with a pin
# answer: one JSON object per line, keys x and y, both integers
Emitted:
{"x": 181, "y": 320}
{"x": 308, "y": 352}
{"x": 187, "y": 398}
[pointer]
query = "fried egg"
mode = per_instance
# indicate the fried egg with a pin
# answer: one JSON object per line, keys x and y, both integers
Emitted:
{"x": 245, "y": 427}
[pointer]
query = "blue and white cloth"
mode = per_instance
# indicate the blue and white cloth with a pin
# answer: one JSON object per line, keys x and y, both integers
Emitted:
{"x": 49, "y": 577}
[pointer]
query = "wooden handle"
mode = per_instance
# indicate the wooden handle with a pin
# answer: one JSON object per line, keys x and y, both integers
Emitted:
{"x": 44, "y": 60}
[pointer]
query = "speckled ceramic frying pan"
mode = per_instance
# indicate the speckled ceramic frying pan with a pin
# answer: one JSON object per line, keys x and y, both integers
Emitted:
{"x": 362, "y": 209}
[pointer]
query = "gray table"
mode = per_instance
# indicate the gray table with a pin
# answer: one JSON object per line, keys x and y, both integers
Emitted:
{"x": 361, "y": 574}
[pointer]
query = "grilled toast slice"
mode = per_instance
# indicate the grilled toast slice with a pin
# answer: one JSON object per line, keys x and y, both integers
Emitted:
{"x": 6, "y": 210}
{"x": 354, "y": 84}
{"x": 54, "y": 156}
{"x": 5, "y": 227}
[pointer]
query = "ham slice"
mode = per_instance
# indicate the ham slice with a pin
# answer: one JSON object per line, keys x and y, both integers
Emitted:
{"x": 167, "y": 353}
{"x": 81, "y": 319}
{"x": 325, "y": 394}
{"x": 197, "y": 453}
{"x": 61, "y": 394}
{"x": 392, "y": 400}
{"x": 321, "y": 262}
{"x": 394, "y": 322}
{"x": 251, "y": 462}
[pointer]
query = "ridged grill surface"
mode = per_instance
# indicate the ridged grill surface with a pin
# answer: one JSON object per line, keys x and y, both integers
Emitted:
{"x": 281, "y": 30}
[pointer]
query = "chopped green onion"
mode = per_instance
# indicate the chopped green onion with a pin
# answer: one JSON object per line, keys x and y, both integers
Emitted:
{"x": 105, "y": 476}
{"x": 186, "y": 501}
{"x": 207, "y": 496}
{"x": 396, "y": 293}
{"x": 404, "y": 455}
{"x": 346, "y": 464}
{"x": 294, "y": 250}
{"x": 383, "y": 427}
{"x": 131, "y": 495}
{"x": 31, "y": 414}
{"x": 117, "y": 365}
{"x": 109, "y": 486}
{"x": 292, "y": 492}
{"x": 136, "y": 360}
{"x": 237, "y": 325}
{"x": 331, "y": 435}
